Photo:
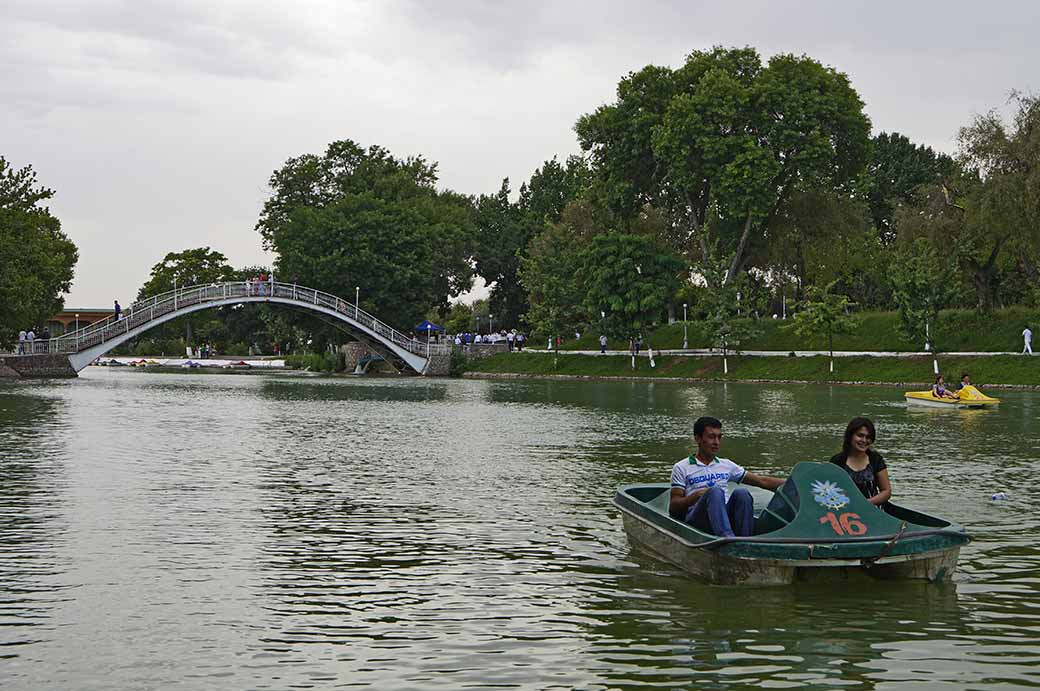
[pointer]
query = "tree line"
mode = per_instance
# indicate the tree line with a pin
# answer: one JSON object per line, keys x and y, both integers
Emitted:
{"x": 728, "y": 186}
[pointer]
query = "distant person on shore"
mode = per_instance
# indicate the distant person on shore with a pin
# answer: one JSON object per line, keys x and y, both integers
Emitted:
{"x": 30, "y": 336}
{"x": 939, "y": 389}
{"x": 21, "y": 342}
{"x": 602, "y": 344}
{"x": 519, "y": 342}
{"x": 639, "y": 343}
{"x": 700, "y": 492}
{"x": 119, "y": 310}
{"x": 865, "y": 465}
{"x": 1027, "y": 339}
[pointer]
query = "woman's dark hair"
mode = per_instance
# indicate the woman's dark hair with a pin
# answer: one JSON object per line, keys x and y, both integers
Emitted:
{"x": 938, "y": 377}
{"x": 854, "y": 425}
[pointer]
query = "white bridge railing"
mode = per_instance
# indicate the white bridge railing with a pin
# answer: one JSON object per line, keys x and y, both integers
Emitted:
{"x": 145, "y": 311}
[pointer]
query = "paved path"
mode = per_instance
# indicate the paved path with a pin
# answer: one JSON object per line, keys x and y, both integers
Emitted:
{"x": 704, "y": 352}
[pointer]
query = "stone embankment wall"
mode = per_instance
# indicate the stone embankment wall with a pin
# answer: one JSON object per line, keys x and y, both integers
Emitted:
{"x": 440, "y": 366}
{"x": 44, "y": 365}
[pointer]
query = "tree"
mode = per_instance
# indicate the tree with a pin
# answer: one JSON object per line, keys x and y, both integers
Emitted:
{"x": 549, "y": 273}
{"x": 628, "y": 280}
{"x": 505, "y": 229}
{"x": 190, "y": 267}
{"x": 897, "y": 171}
{"x": 721, "y": 304}
{"x": 722, "y": 142}
{"x": 36, "y": 257}
{"x": 921, "y": 287}
{"x": 1006, "y": 205}
{"x": 359, "y": 217}
{"x": 821, "y": 238}
{"x": 824, "y": 313}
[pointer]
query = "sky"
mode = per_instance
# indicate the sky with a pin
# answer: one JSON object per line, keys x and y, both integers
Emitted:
{"x": 158, "y": 124}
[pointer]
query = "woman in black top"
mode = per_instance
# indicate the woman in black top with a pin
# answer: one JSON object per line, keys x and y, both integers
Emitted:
{"x": 864, "y": 464}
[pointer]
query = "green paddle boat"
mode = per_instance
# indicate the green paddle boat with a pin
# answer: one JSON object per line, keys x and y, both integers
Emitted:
{"x": 816, "y": 526}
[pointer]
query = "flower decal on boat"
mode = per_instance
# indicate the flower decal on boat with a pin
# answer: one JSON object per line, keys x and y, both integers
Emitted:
{"x": 829, "y": 494}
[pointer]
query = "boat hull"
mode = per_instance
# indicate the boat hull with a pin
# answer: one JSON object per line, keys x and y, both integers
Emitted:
{"x": 967, "y": 397}
{"x": 722, "y": 569}
{"x": 817, "y": 526}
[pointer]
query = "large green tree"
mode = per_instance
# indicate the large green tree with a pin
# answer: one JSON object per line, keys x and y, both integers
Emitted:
{"x": 722, "y": 142}
{"x": 36, "y": 257}
{"x": 628, "y": 281}
{"x": 1005, "y": 206}
{"x": 361, "y": 218}
{"x": 550, "y": 274}
{"x": 505, "y": 229}
{"x": 897, "y": 172}
{"x": 190, "y": 267}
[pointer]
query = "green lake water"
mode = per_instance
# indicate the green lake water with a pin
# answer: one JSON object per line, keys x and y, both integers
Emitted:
{"x": 272, "y": 531}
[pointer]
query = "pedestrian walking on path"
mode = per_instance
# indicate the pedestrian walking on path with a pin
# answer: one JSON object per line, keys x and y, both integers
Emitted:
{"x": 21, "y": 342}
{"x": 602, "y": 344}
{"x": 1027, "y": 338}
{"x": 119, "y": 310}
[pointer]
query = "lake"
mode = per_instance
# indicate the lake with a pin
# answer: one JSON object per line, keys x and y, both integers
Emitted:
{"x": 273, "y": 531}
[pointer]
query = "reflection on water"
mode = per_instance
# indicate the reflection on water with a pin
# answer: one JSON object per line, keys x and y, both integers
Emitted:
{"x": 280, "y": 531}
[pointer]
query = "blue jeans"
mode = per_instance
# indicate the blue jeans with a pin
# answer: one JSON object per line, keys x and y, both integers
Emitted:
{"x": 713, "y": 514}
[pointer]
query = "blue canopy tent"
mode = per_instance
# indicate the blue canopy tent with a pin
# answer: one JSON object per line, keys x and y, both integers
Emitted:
{"x": 427, "y": 326}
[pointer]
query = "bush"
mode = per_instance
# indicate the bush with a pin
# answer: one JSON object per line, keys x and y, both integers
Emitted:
{"x": 317, "y": 362}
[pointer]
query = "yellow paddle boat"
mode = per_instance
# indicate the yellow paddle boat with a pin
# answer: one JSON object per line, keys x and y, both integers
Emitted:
{"x": 966, "y": 397}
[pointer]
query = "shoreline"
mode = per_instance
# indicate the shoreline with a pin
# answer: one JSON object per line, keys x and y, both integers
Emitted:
{"x": 694, "y": 380}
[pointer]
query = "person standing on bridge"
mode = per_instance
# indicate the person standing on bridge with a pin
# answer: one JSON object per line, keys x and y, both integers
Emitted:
{"x": 21, "y": 342}
{"x": 119, "y": 310}
{"x": 30, "y": 336}
{"x": 270, "y": 283}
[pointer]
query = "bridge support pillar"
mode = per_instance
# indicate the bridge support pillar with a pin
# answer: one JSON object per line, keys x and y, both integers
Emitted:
{"x": 38, "y": 366}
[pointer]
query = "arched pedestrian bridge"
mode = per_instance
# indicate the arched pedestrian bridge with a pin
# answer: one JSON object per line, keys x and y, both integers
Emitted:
{"x": 91, "y": 342}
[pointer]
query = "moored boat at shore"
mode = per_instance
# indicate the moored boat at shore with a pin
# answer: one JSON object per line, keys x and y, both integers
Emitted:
{"x": 816, "y": 526}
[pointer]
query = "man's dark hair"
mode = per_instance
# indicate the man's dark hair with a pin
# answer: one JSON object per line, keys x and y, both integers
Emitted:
{"x": 854, "y": 425}
{"x": 705, "y": 422}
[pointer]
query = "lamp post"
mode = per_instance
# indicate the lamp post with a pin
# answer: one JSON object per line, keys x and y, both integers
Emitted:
{"x": 478, "y": 323}
{"x": 490, "y": 322}
{"x": 357, "y": 297}
{"x": 685, "y": 344}
{"x": 77, "y": 330}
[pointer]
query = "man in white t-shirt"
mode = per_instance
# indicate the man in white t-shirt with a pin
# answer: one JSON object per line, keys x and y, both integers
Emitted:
{"x": 1027, "y": 337}
{"x": 700, "y": 492}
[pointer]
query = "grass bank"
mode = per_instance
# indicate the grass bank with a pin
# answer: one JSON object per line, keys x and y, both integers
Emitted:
{"x": 1009, "y": 370}
{"x": 958, "y": 330}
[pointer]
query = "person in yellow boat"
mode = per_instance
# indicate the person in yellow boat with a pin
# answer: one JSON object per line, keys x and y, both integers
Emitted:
{"x": 865, "y": 465}
{"x": 965, "y": 381}
{"x": 939, "y": 389}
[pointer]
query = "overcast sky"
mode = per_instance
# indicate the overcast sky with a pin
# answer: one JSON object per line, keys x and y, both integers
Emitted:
{"x": 158, "y": 124}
